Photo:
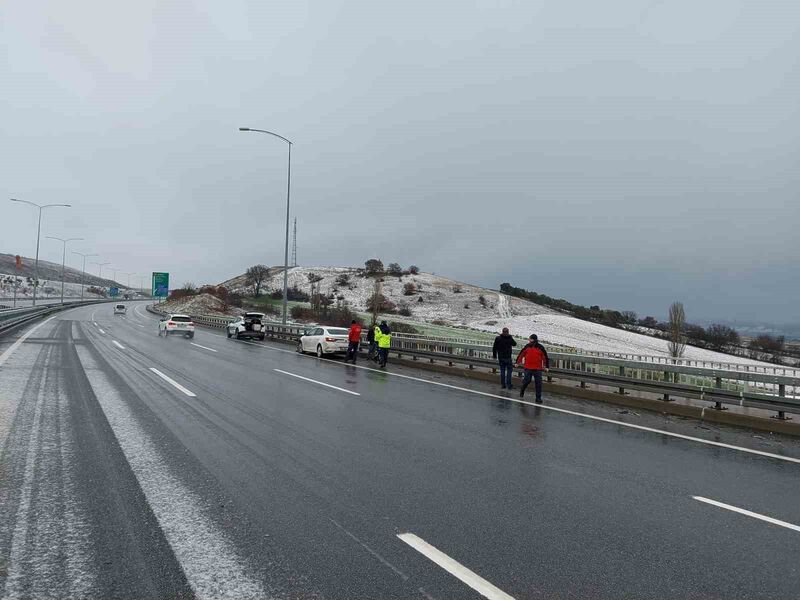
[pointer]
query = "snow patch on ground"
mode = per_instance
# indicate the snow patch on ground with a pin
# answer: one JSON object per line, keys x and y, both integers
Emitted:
{"x": 569, "y": 331}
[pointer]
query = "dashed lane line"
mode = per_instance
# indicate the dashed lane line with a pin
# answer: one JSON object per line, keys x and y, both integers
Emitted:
{"x": 456, "y": 569}
{"x": 118, "y": 345}
{"x": 318, "y": 382}
{"x": 203, "y": 347}
{"x": 748, "y": 513}
{"x": 172, "y": 382}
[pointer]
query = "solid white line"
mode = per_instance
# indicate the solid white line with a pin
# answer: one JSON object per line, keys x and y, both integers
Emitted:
{"x": 7, "y": 354}
{"x": 100, "y": 330}
{"x": 319, "y": 382}
{"x": 472, "y": 579}
{"x": 549, "y": 407}
{"x": 742, "y": 511}
{"x": 118, "y": 345}
{"x": 170, "y": 380}
{"x": 203, "y": 347}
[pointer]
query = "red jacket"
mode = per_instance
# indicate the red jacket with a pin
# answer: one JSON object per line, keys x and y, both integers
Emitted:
{"x": 355, "y": 333}
{"x": 534, "y": 356}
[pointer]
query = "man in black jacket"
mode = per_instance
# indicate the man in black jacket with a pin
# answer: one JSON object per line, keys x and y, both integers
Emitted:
{"x": 501, "y": 350}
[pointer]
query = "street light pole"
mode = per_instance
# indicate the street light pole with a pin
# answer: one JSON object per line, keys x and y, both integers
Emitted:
{"x": 38, "y": 235}
{"x": 83, "y": 269}
{"x": 63, "y": 258}
{"x": 288, "y": 190}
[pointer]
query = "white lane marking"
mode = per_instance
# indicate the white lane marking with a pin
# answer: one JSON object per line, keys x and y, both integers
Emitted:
{"x": 171, "y": 381}
{"x": 203, "y": 347}
{"x": 749, "y": 513}
{"x": 139, "y": 325}
{"x": 210, "y": 560}
{"x": 549, "y": 407}
{"x": 7, "y": 354}
{"x": 118, "y": 345}
{"x": 456, "y": 569}
{"x": 318, "y": 382}
{"x": 100, "y": 330}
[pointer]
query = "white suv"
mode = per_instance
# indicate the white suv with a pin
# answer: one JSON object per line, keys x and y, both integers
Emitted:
{"x": 180, "y": 324}
{"x": 248, "y": 325}
{"x": 119, "y": 309}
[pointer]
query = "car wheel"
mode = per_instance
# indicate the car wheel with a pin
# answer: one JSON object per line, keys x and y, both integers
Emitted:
{"x": 261, "y": 337}
{"x": 238, "y": 335}
{"x": 319, "y": 351}
{"x": 300, "y": 347}
{"x": 191, "y": 335}
{"x": 230, "y": 335}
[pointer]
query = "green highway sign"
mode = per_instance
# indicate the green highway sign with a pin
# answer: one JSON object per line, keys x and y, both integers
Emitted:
{"x": 160, "y": 285}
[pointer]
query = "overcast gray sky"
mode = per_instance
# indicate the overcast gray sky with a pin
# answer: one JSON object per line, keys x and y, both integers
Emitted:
{"x": 622, "y": 153}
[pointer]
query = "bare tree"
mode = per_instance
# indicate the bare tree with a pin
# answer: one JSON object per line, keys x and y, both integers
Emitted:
{"x": 675, "y": 328}
{"x": 255, "y": 277}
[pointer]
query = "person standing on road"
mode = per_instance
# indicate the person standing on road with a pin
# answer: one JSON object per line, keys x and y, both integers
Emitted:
{"x": 372, "y": 349}
{"x": 353, "y": 339}
{"x": 534, "y": 357}
{"x": 501, "y": 350}
{"x": 383, "y": 335}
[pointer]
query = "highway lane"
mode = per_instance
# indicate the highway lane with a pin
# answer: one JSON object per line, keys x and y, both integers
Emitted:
{"x": 303, "y": 488}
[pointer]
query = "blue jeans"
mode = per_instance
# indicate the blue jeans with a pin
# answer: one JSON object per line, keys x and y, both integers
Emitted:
{"x": 506, "y": 371}
{"x": 537, "y": 378}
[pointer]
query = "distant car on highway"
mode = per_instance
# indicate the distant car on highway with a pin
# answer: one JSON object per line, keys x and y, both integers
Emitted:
{"x": 323, "y": 340}
{"x": 172, "y": 324}
{"x": 120, "y": 309}
{"x": 250, "y": 324}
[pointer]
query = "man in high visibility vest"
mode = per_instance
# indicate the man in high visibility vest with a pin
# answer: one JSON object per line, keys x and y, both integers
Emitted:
{"x": 383, "y": 335}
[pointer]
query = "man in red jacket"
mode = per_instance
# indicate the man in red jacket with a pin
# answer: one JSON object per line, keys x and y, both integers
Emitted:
{"x": 535, "y": 359}
{"x": 353, "y": 338}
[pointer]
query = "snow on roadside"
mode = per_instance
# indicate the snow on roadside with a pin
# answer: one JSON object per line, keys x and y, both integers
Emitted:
{"x": 569, "y": 331}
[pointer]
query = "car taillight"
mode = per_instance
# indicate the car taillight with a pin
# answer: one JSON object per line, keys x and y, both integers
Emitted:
{"x": 330, "y": 339}
{"x": 170, "y": 324}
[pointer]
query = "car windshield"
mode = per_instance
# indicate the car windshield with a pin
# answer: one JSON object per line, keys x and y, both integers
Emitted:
{"x": 336, "y": 331}
{"x": 181, "y": 319}
{"x": 120, "y": 306}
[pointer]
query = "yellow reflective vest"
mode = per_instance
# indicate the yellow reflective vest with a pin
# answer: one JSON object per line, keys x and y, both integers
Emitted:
{"x": 384, "y": 339}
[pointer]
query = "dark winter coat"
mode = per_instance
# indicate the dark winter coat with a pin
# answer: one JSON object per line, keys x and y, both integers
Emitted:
{"x": 502, "y": 346}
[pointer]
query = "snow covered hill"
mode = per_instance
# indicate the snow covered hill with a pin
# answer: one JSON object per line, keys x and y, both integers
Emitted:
{"x": 455, "y": 303}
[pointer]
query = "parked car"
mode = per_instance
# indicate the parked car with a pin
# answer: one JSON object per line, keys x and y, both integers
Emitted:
{"x": 120, "y": 309}
{"x": 250, "y": 324}
{"x": 323, "y": 340}
{"x": 180, "y": 324}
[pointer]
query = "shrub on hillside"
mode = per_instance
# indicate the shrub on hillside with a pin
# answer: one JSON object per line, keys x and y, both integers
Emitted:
{"x": 413, "y": 269}
{"x": 409, "y": 289}
{"x": 404, "y": 310}
{"x": 400, "y": 327}
{"x": 394, "y": 269}
{"x": 337, "y": 317}
{"x": 380, "y": 303}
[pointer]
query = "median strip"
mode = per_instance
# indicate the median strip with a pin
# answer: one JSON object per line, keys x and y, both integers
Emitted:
{"x": 318, "y": 382}
{"x": 172, "y": 382}
{"x": 456, "y": 569}
{"x": 748, "y": 513}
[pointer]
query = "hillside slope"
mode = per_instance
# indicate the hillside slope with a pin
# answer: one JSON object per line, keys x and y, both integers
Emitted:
{"x": 439, "y": 300}
{"x": 441, "y": 303}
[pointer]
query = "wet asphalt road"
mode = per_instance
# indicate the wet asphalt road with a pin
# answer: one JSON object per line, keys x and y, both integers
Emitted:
{"x": 253, "y": 482}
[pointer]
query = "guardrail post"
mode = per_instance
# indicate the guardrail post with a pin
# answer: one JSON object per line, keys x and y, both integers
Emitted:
{"x": 583, "y": 368}
{"x": 622, "y": 374}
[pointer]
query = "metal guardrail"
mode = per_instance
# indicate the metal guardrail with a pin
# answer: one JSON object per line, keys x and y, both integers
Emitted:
{"x": 776, "y": 391}
{"x": 14, "y": 317}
